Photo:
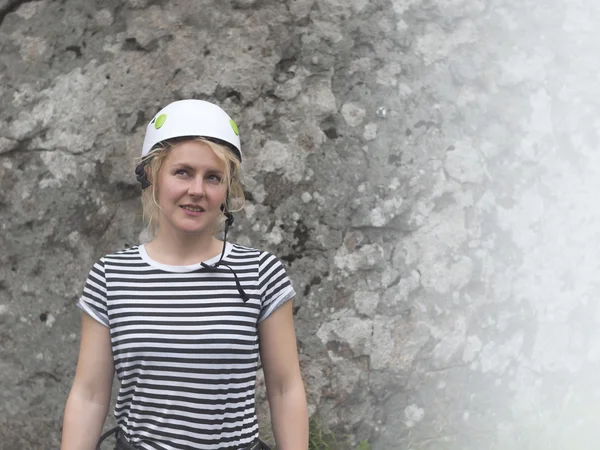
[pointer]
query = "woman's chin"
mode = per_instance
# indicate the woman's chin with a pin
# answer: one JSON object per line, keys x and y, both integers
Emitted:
{"x": 194, "y": 229}
{"x": 189, "y": 227}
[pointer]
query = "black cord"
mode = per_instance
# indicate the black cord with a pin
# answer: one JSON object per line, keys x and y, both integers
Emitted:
{"x": 215, "y": 267}
{"x": 114, "y": 431}
{"x": 228, "y": 223}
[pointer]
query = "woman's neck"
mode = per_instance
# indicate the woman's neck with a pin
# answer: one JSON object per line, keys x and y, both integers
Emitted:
{"x": 183, "y": 250}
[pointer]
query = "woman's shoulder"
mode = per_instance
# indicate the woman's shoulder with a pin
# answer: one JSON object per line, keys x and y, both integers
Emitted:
{"x": 115, "y": 258}
{"x": 261, "y": 256}
{"x": 244, "y": 254}
{"x": 250, "y": 251}
{"x": 125, "y": 253}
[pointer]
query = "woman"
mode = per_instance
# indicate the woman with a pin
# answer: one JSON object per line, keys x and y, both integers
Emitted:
{"x": 180, "y": 318}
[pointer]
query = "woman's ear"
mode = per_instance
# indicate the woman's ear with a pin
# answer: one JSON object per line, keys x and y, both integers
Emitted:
{"x": 148, "y": 171}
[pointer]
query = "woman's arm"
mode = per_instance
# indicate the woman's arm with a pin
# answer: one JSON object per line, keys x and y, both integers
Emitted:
{"x": 89, "y": 398}
{"x": 285, "y": 390}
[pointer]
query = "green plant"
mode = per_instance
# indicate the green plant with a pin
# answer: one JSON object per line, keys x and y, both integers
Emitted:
{"x": 363, "y": 445}
{"x": 319, "y": 437}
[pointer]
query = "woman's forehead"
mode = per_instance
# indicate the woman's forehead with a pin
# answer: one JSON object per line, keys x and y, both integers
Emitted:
{"x": 195, "y": 153}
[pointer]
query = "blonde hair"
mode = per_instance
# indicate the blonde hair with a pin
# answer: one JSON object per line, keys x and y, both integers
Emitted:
{"x": 153, "y": 162}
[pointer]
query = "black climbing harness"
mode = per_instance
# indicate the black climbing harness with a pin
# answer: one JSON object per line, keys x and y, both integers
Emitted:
{"x": 123, "y": 443}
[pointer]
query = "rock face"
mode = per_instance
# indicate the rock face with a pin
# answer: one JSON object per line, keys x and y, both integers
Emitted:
{"x": 427, "y": 170}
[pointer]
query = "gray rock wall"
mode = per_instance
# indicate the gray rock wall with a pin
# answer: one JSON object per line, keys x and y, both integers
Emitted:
{"x": 427, "y": 170}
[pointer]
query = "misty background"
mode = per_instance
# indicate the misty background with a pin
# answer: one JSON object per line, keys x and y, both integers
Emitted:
{"x": 427, "y": 170}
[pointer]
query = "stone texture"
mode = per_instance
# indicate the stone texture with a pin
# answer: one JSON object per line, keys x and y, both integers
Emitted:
{"x": 427, "y": 170}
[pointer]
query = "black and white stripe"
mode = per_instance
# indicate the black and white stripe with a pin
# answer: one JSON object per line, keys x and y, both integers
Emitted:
{"x": 185, "y": 345}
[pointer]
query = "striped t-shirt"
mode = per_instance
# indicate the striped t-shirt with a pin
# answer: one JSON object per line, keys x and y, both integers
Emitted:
{"x": 185, "y": 344}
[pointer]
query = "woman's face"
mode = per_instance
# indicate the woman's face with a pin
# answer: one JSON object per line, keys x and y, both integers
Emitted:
{"x": 190, "y": 191}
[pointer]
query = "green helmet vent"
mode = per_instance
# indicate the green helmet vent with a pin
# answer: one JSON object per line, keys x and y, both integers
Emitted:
{"x": 160, "y": 121}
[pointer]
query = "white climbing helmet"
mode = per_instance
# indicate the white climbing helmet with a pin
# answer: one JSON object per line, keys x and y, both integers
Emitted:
{"x": 192, "y": 118}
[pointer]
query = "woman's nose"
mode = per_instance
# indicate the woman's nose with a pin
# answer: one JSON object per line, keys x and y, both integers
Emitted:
{"x": 197, "y": 187}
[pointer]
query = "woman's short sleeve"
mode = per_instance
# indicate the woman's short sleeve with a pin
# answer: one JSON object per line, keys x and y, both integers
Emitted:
{"x": 274, "y": 285}
{"x": 93, "y": 298}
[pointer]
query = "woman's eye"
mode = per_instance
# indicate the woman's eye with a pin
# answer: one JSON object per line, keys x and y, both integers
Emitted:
{"x": 216, "y": 178}
{"x": 181, "y": 172}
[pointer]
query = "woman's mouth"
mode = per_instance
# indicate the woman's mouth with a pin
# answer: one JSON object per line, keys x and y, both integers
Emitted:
{"x": 192, "y": 210}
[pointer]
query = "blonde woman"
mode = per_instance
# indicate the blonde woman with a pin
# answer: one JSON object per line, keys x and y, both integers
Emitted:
{"x": 183, "y": 319}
